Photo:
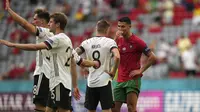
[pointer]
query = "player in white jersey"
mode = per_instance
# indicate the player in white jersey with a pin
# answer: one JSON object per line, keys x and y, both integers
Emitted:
{"x": 60, "y": 60}
{"x": 100, "y": 48}
{"x": 41, "y": 73}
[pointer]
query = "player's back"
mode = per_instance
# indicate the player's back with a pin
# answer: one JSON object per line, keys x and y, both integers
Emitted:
{"x": 61, "y": 50}
{"x": 99, "y": 48}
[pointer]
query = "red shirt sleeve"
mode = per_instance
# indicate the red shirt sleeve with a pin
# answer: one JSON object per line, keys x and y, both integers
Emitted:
{"x": 142, "y": 47}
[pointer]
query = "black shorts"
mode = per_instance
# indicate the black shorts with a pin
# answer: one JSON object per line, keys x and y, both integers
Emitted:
{"x": 59, "y": 98}
{"x": 70, "y": 101}
{"x": 40, "y": 89}
{"x": 102, "y": 94}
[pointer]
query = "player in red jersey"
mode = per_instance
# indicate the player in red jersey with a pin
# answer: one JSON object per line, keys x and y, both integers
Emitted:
{"x": 130, "y": 71}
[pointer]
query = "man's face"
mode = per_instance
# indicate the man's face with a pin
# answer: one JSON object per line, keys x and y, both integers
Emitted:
{"x": 52, "y": 25}
{"x": 36, "y": 21}
{"x": 124, "y": 28}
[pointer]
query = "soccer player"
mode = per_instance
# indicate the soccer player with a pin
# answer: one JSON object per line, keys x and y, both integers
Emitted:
{"x": 39, "y": 28}
{"x": 100, "y": 48}
{"x": 60, "y": 59}
{"x": 41, "y": 74}
{"x": 130, "y": 72}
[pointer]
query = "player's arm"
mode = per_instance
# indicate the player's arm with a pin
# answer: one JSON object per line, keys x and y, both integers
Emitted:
{"x": 83, "y": 62}
{"x": 27, "y": 47}
{"x": 116, "y": 57}
{"x": 74, "y": 73}
{"x": 76, "y": 92}
{"x": 24, "y": 23}
{"x": 151, "y": 59}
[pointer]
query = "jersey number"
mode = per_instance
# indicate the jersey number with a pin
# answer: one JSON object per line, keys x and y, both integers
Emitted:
{"x": 67, "y": 63}
{"x": 96, "y": 56}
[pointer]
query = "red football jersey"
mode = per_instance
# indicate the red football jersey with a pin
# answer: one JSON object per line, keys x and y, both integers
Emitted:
{"x": 130, "y": 53}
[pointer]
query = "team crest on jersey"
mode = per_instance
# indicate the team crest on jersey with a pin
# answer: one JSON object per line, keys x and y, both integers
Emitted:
{"x": 96, "y": 46}
{"x": 124, "y": 49}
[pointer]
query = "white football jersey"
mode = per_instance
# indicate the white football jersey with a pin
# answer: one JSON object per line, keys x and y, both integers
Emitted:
{"x": 99, "y": 48}
{"x": 42, "y": 56}
{"x": 61, "y": 48}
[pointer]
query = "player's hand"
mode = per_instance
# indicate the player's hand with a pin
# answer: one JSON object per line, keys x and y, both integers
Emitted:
{"x": 97, "y": 64}
{"x": 118, "y": 33}
{"x": 76, "y": 93}
{"x": 7, "y": 43}
{"x": 135, "y": 73}
{"x": 7, "y": 4}
{"x": 110, "y": 73}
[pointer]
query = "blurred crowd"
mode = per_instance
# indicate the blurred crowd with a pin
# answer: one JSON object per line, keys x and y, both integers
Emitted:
{"x": 176, "y": 59}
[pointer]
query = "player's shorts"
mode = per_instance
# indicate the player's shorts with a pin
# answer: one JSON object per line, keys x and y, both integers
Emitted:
{"x": 59, "y": 98}
{"x": 102, "y": 94}
{"x": 40, "y": 89}
{"x": 70, "y": 101}
{"x": 123, "y": 88}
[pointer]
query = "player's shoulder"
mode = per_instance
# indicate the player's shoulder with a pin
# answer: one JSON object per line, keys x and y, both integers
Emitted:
{"x": 137, "y": 39}
{"x": 44, "y": 30}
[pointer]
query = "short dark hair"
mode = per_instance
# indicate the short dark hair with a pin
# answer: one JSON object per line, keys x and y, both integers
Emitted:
{"x": 102, "y": 26}
{"x": 42, "y": 14}
{"x": 125, "y": 19}
{"x": 37, "y": 11}
{"x": 60, "y": 18}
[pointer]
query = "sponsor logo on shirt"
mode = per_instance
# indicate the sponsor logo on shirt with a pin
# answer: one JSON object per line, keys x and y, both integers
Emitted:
{"x": 96, "y": 46}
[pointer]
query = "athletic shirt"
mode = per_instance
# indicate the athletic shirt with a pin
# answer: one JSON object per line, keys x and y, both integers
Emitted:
{"x": 60, "y": 47}
{"x": 130, "y": 50}
{"x": 99, "y": 48}
{"x": 42, "y": 56}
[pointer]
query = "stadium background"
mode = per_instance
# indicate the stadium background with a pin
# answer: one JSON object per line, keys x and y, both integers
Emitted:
{"x": 169, "y": 27}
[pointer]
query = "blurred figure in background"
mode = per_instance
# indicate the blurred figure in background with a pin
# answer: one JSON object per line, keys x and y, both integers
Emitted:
{"x": 183, "y": 43}
{"x": 189, "y": 61}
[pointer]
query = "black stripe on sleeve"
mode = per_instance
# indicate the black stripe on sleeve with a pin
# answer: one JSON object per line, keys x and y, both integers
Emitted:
{"x": 79, "y": 63}
{"x": 82, "y": 49}
{"x": 112, "y": 48}
{"x": 146, "y": 51}
{"x": 37, "y": 31}
{"x": 48, "y": 45}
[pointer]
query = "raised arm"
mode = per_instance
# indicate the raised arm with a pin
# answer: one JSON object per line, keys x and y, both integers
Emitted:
{"x": 27, "y": 47}
{"x": 24, "y": 23}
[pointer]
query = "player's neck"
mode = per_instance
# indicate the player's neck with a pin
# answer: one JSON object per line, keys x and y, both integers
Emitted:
{"x": 59, "y": 31}
{"x": 128, "y": 35}
{"x": 101, "y": 35}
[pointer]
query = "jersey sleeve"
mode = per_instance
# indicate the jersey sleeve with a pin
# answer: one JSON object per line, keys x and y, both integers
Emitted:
{"x": 142, "y": 46}
{"x": 84, "y": 45}
{"x": 112, "y": 44}
{"x": 52, "y": 42}
{"x": 77, "y": 58}
{"x": 41, "y": 32}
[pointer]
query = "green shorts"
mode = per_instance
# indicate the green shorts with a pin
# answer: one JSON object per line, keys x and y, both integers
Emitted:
{"x": 121, "y": 89}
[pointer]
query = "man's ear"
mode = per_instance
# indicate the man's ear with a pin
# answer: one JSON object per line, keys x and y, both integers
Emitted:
{"x": 57, "y": 24}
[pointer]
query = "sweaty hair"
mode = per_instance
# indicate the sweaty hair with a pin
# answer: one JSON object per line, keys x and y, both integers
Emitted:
{"x": 60, "y": 18}
{"x": 42, "y": 14}
{"x": 102, "y": 26}
{"x": 127, "y": 20}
